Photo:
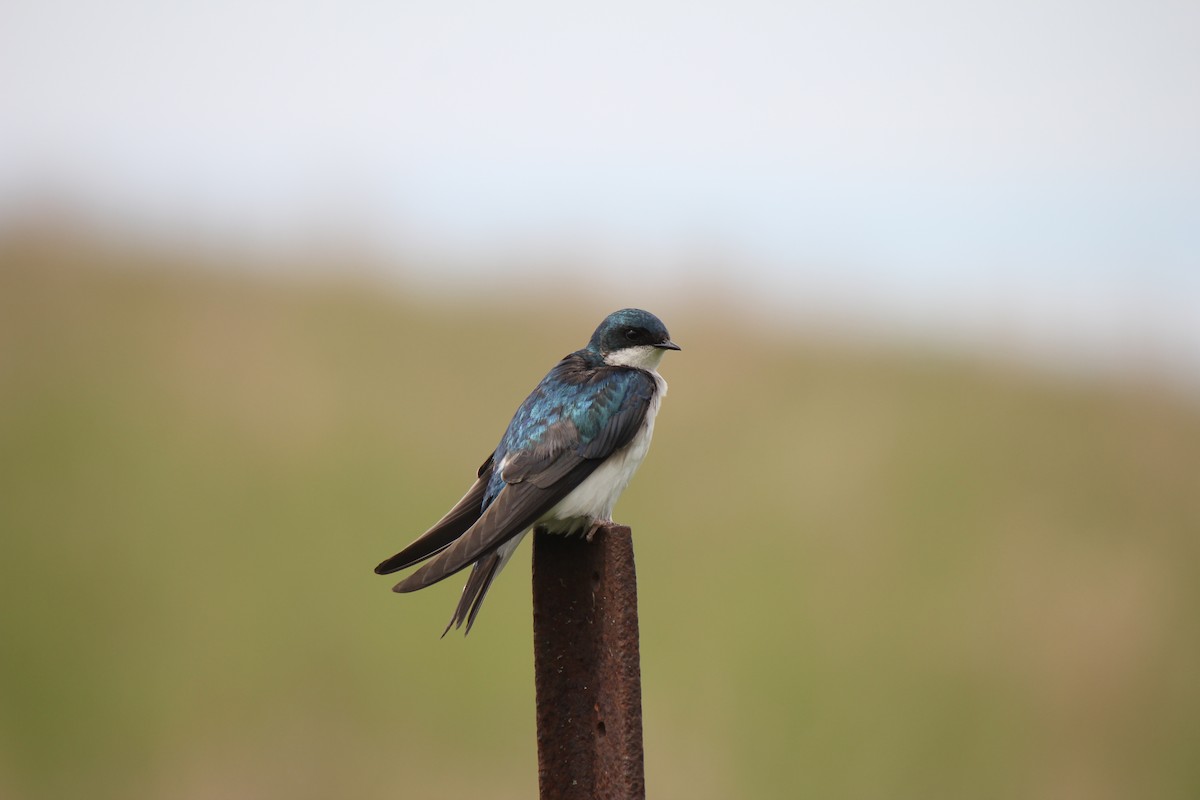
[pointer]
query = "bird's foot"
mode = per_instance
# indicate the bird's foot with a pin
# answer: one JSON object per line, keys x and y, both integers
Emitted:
{"x": 597, "y": 526}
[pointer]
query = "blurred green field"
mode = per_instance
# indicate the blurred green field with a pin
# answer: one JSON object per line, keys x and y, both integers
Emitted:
{"x": 894, "y": 575}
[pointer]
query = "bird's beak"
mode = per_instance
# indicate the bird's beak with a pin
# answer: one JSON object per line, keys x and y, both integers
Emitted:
{"x": 668, "y": 345}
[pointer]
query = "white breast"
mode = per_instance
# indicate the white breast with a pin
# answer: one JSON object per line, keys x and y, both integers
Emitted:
{"x": 594, "y": 499}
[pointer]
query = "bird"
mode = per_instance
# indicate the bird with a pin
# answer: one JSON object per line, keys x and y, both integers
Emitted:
{"x": 567, "y": 455}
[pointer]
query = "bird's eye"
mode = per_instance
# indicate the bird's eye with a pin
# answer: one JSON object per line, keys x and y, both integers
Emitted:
{"x": 631, "y": 334}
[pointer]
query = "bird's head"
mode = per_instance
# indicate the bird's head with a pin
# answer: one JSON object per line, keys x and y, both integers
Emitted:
{"x": 632, "y": 338}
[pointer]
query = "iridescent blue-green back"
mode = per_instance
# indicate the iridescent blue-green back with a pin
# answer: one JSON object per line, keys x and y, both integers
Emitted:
{"x": 582, "y": 407}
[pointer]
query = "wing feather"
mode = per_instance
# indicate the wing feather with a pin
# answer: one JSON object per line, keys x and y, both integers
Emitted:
{"x": 457, "y": 520}
{"x": 514, "y": 510}
{"x": 610, "y": 407}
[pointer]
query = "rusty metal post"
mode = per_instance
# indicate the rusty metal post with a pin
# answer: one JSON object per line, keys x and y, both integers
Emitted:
{"x": 587, "y": 666}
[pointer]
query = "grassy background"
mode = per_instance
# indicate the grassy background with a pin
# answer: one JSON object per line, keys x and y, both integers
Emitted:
{"x": 864, "y": 572}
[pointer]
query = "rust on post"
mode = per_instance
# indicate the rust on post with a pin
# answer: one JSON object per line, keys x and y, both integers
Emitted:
{"x": 587, "y": 667}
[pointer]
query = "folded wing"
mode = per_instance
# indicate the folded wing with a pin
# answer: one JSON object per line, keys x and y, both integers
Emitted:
{"x": 457, "y": 520}
{"x": 607, "y": 407}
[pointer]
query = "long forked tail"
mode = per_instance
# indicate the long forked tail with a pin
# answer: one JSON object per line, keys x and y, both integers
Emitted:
{"x": 482, "y": 575}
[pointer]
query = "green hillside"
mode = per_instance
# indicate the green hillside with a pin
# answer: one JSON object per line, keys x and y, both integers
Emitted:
{"x": 864, "y": 573}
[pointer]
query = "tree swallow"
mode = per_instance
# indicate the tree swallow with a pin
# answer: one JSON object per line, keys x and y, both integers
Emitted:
{"x": 567, "y": 455}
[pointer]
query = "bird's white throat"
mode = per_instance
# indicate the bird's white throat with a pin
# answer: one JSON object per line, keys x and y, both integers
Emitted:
{"x": 643, "y": 356}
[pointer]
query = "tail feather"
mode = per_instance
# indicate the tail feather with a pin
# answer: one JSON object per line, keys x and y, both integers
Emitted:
{"x": 482, "y": 575}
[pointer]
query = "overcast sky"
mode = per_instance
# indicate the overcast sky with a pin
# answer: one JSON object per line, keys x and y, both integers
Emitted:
{"x": 938, "y": 162}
